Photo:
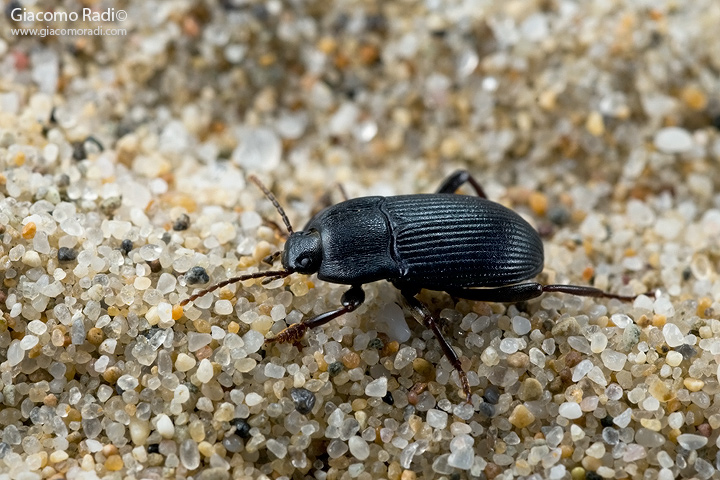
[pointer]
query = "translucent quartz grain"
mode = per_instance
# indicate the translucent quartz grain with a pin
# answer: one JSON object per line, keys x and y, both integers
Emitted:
{"x": 463, "y": 410}
{"x": 404, "y": 357}
{"x": 598, "y": 342}
{"x": 391, "y": 320}
{"x": 673, "y": 140}
{"x": 623, "y": 420}
{"x": 277, "y": 313}
{"x": 645, "y": 437}
{"x": 164, "y": 313}
{"x": 274, "y": 371}
{"x": 166, "y": 283}
{"x": 196, "y": 341}
{"x": 377, "y": 388}
{"x": 408, "y": 453}
{"x": 359, "y": 448}
{"x": 704, "y": 468}
{"x": 672, "y": 334}
{"x": 184, "y": 362}
{"x": 596, "y": 375}
{"x": 277, "y": 448}
{"x": 77, "y": 331}
{"x": 258, "y": 149}
{"x": 139, "y": 431}
{"x": 557, "y": 472}
{"x": 462, "y": 453}
{"x": 610, "y": 435}
{"x": 31, "y": 258}
{"x": 189, "y": 454}
{"x": 570, "y": 410}
{"x": 621, "y": 320}
{"x": 349, "y": 427}
{"x": 142, "y": 283}
{"x": 337, "y": 448}
{"x": 253, "y": 341}
{"x": 613, "y": 360}
{"x": 576, "y": 433}
{"x": 510, "y": 345}
{"x": 521, "y": 325}
{"x": 437, "y": 418}
{"x": 673, "y": 358}
{"x": 537, "y": 357}
{"x": 150, "y": 252}
{"x": 580, "y": 344}
{"x": 691, "y": 441}
{"x": 581, "y": 369}
{"x": 204, "y": 371}
{"x": 548, "y": 346}
{"x": 28, "y": 342}
{"x": 490, "y": 357}
{"x": 223, "y": 232}
{"x": 223, "y": 307}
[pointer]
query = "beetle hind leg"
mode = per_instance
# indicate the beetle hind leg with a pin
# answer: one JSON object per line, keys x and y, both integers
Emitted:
{"x": 527, "y": 291}
{"x": 584, "y": 291}
{"x": 351, "y": 299}
{"x": 421, "y": 312}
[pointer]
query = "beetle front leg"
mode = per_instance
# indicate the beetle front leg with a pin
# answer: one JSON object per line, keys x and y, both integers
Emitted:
{"x": 421, "y": 312}
{"x": 458, "y": 179}
{"x": 351, "y": 299}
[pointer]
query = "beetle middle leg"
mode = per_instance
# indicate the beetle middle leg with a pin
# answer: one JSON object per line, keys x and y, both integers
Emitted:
{"x": 421, "y": 312}
{"x": 458, "y": 179}
{"x": 527, "y": 291}
{"x": 351, "y": 299}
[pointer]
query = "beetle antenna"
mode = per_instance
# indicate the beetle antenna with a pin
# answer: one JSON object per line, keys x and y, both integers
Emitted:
{"x": 272, "y": 273}
{"x": 274, "y": 201}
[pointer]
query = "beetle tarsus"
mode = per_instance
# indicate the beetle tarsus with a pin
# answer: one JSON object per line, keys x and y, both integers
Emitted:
{"x": 466, "y": 386}
{"x": 351, "y": 299}
{"x": 292, "y": 333}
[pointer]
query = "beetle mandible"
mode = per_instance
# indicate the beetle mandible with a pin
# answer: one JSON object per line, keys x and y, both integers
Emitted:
{"x": 467, "y": 246}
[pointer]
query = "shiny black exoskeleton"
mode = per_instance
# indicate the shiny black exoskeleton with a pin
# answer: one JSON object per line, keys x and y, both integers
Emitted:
{"x": 467, "y": 246}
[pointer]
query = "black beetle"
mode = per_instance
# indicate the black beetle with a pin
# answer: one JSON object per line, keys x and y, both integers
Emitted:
{"x": 467, "y": 246}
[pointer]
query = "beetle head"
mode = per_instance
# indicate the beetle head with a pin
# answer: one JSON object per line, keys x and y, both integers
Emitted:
{"x": 303, "y": 252}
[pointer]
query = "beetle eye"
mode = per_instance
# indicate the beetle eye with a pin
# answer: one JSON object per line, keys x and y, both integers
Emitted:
{"x": 304, "y": 261}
